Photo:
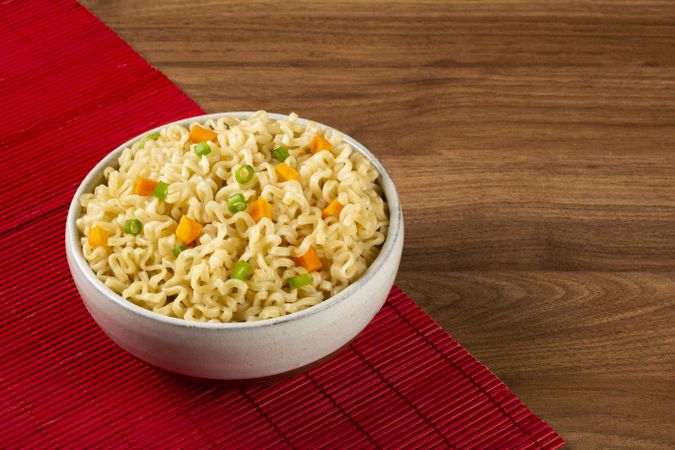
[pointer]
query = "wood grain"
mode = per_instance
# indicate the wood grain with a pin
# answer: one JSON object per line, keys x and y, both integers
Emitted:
{"x": 532, "y": 144}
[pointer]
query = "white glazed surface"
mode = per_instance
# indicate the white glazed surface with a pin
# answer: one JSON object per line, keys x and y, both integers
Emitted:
{"x": 237, "y": 351}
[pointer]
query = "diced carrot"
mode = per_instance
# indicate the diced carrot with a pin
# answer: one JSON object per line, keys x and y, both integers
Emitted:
{"x": 310, "y": 261}
{"x": 144, "y": 186}
{"x": 320, "y": 143}
{"x": 286, "y": 172}
{"x": 188, "y": 230}
{"x": 200, "y": 134}
{"x": 259, "y": 209}
{"x": 98, "y": 237}
{"x": 333, "y": 209}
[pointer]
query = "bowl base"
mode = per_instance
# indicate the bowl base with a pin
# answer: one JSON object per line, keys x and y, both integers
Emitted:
{"x": 261, "y": 381}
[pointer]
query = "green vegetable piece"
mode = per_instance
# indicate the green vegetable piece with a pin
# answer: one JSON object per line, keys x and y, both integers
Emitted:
{"x": 150, "y": 137}
{"x": 300, "y": 280}
{"x": 161, "y": 190}
{"x": 236, "y": 203}
{"x": 178, "y": 249}
{"x": 241, "y": 270}
{"x": 133, "y": 226}
{"x": 280, "y": 153}
{"x": 203, "y": 148}
{"x": 244, "y": 174}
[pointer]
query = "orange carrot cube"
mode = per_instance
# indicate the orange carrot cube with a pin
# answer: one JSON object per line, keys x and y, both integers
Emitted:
{"x": 200, "y": 134}
{"x": 98, "y": 237}
{"x": 259, "y": 209}
{"x": 286, "y": 172}
{"x": 188, "y": 230}
{"x": 320, "y": 143}
{"x": 144, "y": 186}
{"x": 333, "y": 209}
{"x": 310, "y": 260}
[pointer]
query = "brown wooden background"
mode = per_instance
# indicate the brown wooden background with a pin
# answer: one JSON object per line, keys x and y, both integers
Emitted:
{"x": 533, "y": 146}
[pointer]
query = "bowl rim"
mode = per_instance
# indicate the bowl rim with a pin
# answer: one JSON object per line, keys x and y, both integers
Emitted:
{"x": 75, "y": 249}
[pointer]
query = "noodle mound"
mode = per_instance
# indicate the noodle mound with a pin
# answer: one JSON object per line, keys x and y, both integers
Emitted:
{"x": 197, "y": 284}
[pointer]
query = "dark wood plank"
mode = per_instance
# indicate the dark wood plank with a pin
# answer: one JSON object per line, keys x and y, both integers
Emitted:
{"x": 590, "y": 351}
{"x": 532, "y": 146}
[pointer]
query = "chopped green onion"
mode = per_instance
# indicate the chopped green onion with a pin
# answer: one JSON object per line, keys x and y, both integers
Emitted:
{"x": 280, "y": 153}
{"x": 241, "y": 270}
{"x": 300, "y": 280}
{"x": 161, "y": 190}
{"x": 150, "y": 137}
{"x": 236, "y": 203}
{"x": 178, "y": 249}
{"x": 133, "y": 226}
{"x": 203, "y": 148}
{"x": 244, "y": 174}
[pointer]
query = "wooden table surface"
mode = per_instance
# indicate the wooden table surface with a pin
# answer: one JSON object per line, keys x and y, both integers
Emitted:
{"x": 533, "y": 146}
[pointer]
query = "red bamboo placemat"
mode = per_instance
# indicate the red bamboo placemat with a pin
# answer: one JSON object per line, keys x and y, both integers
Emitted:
{"x": 70, "y": 91}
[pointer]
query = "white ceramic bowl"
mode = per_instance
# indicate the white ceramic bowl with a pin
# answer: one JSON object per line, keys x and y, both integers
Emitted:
{"x": 249, "y": 352}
